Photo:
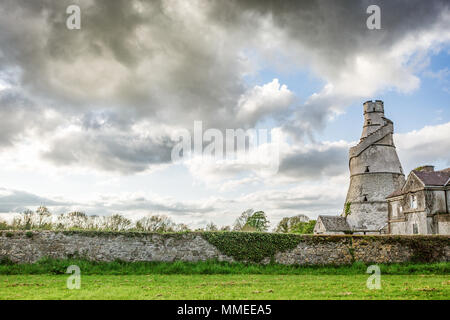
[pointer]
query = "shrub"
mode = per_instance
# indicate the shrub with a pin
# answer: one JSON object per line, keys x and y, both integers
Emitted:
{"x": 347, "y": 210}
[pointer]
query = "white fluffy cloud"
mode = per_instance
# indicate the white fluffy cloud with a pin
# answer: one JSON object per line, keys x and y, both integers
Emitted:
{"x": 264, "y": 100}
{"x": 429, "y": 145}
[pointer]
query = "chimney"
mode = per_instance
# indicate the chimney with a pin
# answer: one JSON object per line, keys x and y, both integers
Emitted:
{"x": 426, "y": 168}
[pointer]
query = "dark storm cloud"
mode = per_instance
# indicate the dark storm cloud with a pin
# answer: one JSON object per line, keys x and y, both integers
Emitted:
{"x": 19, "y": 115}
{"x": 172, "y": 63}
{"x": 17, "y": 201}
{"x": 315, "y": 163}
{"x": 111, "y": 151}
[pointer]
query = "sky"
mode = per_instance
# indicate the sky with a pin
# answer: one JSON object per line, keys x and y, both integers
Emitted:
{"x": 89, "y": 117}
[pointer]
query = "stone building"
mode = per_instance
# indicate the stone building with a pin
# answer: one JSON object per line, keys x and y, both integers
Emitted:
{"x": 421, "y": 205}
{"x": 375, "y": 172}
{"x": 331, "y": 225}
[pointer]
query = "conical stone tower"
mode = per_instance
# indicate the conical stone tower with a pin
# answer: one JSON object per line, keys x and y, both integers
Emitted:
{"x": 375, "y": 171}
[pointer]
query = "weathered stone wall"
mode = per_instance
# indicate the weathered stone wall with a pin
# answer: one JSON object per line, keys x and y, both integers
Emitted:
{"x": 27, "y": 247}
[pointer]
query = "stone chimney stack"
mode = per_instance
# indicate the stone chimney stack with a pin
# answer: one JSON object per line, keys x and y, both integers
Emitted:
{"x": 426, "y": 168}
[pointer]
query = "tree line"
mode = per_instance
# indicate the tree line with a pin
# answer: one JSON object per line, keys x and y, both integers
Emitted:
{"x": 249, "y": 220}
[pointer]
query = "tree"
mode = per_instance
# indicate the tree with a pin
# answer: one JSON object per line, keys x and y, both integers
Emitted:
{"x": 258, "y": 221}
{"x": 211, "y": 227}
{"x": 304, "y": 227}
{"x": 181, "y": 227}
{"x": 156, "y": 223}
{"x": 73, "y": 220}
{"x": 41, "y": 219}
{"x": 116, "y": 222}
{"x": 4, "y": 225}
{"x": 287, "y": 224}
{"x": 251, "y": 221}
{"x": 24, "y": 220}
{"x": 242, "y": 220}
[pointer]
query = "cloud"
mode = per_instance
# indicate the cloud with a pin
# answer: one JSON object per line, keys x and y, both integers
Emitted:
{"x": 315, "y": 161}
{"x": 261, "y": 101}
{"x": 429, "y": 145}
{"x": 18, "y": 201}
{"x": 109, "y": 149}
{"x": 276, "y": 162}
{"x": 171, "y": 63}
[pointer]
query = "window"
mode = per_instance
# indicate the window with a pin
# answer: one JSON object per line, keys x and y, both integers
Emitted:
{"x": 400, "y": 209}
{"x": 365, "y": 199}
{"x": 413, "y": 202}
{"x": 367, "y": 169}
{"x": 415, "y": 229}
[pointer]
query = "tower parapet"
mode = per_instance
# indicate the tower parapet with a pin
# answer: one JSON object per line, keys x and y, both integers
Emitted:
{"x": 373, "y": 117}
{"x": 375, "y": 170}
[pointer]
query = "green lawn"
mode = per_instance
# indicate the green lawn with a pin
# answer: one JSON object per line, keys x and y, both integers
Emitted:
{"x": 229, "y": 286}
{"x": 46, "y": 279}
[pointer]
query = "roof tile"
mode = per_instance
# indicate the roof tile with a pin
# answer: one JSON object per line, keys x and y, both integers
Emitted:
{"x": 434, "y": 178}
{"x": 334, "y": 223}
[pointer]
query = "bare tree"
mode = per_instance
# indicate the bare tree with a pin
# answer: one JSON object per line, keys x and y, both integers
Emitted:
{"x": 41, "y": 219}
{"x": 211, "y": 227}
{"x": 116, "y": 222}
{"x": 156, "y": 223}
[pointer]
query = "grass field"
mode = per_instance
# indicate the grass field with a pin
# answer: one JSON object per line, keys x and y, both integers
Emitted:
{"x": 216, "y": 280}
{"x": 224, "y": 287}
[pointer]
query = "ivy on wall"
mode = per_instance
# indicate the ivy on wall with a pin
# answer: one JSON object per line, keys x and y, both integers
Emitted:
{"x": 251, "y": 246}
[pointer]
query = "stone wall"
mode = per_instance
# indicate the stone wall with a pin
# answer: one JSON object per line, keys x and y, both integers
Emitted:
{"x": 27, "y": 247}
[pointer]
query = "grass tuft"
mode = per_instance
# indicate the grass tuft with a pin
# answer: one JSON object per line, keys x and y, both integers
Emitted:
{"x": 55, "y": 266}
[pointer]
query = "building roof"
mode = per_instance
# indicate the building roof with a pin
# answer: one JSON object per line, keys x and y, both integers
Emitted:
{"x": 434, "y": 178}
{"x": 396, "y": 193}
{"x": 334, "y": 223}
{"x": 439, "y": 178}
